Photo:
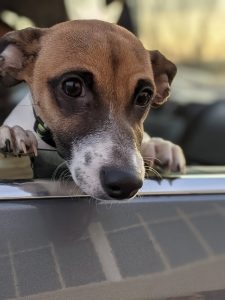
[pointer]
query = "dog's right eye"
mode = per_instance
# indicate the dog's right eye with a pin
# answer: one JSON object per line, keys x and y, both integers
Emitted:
{"x": 144, "y": 97}
{"x": 73, "y": 87}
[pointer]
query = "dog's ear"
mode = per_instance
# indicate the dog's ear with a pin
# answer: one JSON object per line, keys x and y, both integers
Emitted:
{"x": 164, "y": 71}
{"x": 18, "y": 50}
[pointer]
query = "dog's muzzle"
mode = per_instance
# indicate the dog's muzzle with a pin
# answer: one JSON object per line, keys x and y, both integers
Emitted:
{"x": 106, "y": 169}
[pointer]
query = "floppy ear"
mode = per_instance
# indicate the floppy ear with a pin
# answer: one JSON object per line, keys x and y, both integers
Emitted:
{"x": 18, "y": 50}
{"x": 164, "y": 71}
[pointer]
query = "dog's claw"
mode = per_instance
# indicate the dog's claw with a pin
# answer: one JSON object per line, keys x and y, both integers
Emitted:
{"x": 23, "y": 146}
{"x": 7, "y": 146}
{"x": 34, "y": 150}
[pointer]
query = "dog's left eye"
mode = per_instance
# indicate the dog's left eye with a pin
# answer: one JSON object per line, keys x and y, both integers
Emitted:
{"x": 73, "y": 87}
{"x": 144, "y": 97}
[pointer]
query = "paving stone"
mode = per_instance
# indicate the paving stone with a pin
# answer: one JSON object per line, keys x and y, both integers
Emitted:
{"x": 134, "y": 252}
{"x": 157, "y": 211}
{"x": 79, "y": 263}
{"x": 25, "y": 229}
{"x": 36, "y": 272}
{"x": 117, "y": 216}
{"x": 7, "y": 289}
{"x": 195, "y": 207}
{"x": 178, "y": 242}
{"x": 212, "y": 228}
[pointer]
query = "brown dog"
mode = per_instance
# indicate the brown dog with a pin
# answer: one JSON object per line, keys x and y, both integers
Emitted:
{"x": 92, "y": 85}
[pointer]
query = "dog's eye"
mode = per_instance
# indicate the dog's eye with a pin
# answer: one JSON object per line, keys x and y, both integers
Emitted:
{"x": 73, "y": 87}
{"x": 144, "y": 97}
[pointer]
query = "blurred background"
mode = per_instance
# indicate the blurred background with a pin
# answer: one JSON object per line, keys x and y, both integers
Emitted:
{"x": 190, "y": 33}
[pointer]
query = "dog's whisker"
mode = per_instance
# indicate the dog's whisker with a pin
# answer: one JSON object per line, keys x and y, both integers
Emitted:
{"x": 28, "y": 104}
{"x": 148, "y": 166}
{"x": 97, "y": 204}
{"x": 151, "y": 159}
{"x": 60, "y": 180}
{"x": 63, "y": 176}
{"x": 74, "y": 191}
{"x": 64, "y": 182}
{"x": 139, "y": 196}
{"x": 90, "y": 201}
{"x": 56, "y": 170}
{"x": 109, "y": 204}
{"x": 155, "y": 172}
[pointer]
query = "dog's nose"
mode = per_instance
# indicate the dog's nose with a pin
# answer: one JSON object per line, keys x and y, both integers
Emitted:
{"x": 120, "y": 184}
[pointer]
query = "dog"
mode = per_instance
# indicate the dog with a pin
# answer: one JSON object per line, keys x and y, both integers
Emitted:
{"x": 92, "y": 84}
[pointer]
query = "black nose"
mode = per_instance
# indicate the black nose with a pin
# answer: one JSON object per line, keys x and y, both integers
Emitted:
{"x": 120, "y": 184}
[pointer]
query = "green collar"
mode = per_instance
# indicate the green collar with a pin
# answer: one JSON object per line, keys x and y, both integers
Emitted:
{"x": 43, "y": 131}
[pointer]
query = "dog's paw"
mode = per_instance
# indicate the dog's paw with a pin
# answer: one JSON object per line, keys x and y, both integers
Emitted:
{"x": 17, "y": 141}
{"x": 162, "y": 153}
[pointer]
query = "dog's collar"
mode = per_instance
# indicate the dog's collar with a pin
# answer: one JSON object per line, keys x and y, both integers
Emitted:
{"x": 43, "y": 131}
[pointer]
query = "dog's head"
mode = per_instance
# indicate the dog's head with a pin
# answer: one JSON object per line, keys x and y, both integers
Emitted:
{"x": 92, "y": 83}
